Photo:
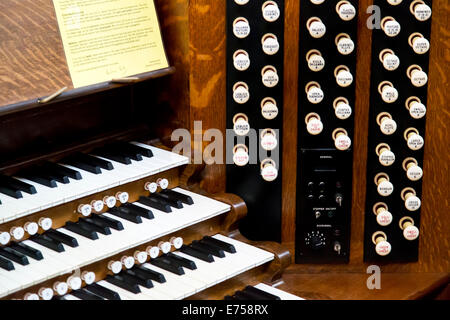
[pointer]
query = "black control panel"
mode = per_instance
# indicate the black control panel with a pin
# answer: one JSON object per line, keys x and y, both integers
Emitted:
{"x": 328, "y": 37}
{"x": 255, "y": 61}
{"x": 400, "y": 59}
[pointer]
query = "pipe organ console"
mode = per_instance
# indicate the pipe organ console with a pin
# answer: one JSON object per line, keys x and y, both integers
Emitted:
{"x": 333, "y": 119}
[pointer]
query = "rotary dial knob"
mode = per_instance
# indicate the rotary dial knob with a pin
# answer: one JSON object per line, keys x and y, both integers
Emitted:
{"x": 315, "y": 240}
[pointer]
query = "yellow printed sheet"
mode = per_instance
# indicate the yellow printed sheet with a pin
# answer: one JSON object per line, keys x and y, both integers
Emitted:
{"x": 109, "y": 39}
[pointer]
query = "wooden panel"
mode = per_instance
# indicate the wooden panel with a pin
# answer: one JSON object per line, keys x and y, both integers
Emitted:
{"x": 207, "y": 78}
{"x": 31, "y": 44}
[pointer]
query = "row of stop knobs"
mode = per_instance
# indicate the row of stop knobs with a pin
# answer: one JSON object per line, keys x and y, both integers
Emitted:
{"x": 75, "y": 281}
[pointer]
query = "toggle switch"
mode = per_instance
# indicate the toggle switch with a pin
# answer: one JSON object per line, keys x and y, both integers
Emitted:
{"x": 115, "y": 266}
{"x": 420, "y": 10}
{"x": 417, "y": 76}
{"x": 390, "y": 26}
{"x": 241, "y": 28}
{"x": 240, "y": 155}
{"x": 17, "y": 233}
{"x": 343, "y": 76}
{"x": 387, "y": 91}
{"x": 341, "y": 139}
{"x": 46, "y": 293}
{"x": 345, "y": 10}
{"x": 153, "y": 251}
{"x": 241, "y": 92}
{"x": 337, "y": 247}
{"x": 315, "y": 60}
{"x": 5, "y": 237}
{"x": 45, "y": 223}
{"x": 270, "y": 44}
{"x": 140, "y": 256}
{"x": 413, "y": 171}
{"x": 270, "y": 11}
{"x": 384, "y": 217}
{"x": 241, "y": 60}
{"x": 314, "y": 125}
{"x": 316, "y": 27}
{"x": 269, "y": 170}
{"x": 414, "y": 139}
{"x": 85, "y": 210}
{"x": 410, "y": 231}
{"x": 269, "y": 109}
{"x": 384, "y": 186}
{"x": 344, "y": 44}
{"x": 382, "y": 246}
{"x": 177, "y": 242}
{"x": 416, "y": 108}
{"x": 97, "y": 205}
{"x": 127, "y": 262}
{"x": 342, "y": 108}
{"x": 385, "y": 155}
{"x": 389, "y": 60}
{"x": 269, "y": 139}
{"x": 240, "y": 124}
{"x": 74, "y": 282}
{"x": 122, "y": 197}
{"x": 269, "y": 76}
{"x": 31, "y": 228}
{"x": 88, "y": 277}
{"x": 313, "y": 92}
{"x": 110, "y": 201}
{"x": 419, "y": 43}
{"x": 151, "y": 187}
{"x": 163, "y": 183}
{"x": 387, "y": 125}
{"x": 164, "y": 246}
{"x": 412, "y": 202}
{"x": 339, "y": 198}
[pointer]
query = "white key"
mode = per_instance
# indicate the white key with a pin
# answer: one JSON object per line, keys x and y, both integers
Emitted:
{"x": 124, "y": 294}
{"x": 70, "y": 297}
{"x": 208, "y": 274}
{"x": 11, "y": 207}
{"x": 7, "y": 285}
{"x": 282, "y": 294}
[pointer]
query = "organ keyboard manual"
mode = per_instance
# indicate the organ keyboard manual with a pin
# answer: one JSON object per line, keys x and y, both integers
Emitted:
{"x": 222, "y": 159}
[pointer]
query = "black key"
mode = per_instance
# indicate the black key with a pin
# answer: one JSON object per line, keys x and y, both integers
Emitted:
{"x": 27, "y": 250}
{"x": 121, "y": 283}
{"x": 62, "y": 237}
{"x": 139, "y": 150}
{"x": 220, "y": 244}
{"x": 229, "y": 298}
{"x": 12, "y": 192}
{"x": 167, "y": 265}
{"x": 93, "y": 227}
{"x": 76, "y": 228}
{"x": 149, "y": 274}
{"x": 124, "y": 150}
{"x": 64, "y": 171}
{"x": 239, "y": 295}
{"x": 97, "y": 223}
{"x": 58, "y": 298}
{"x": 39, "y": 178}
{"x": 113, "y": 155}
{"x": 169, "y": 200}
{"x": 179, "y": 196}
{"x": 180, "y": 260}
{"x": 103, "y": 292}
{"x": 145, "y": 213}
{"x": 50, "y": 173}
{"x": 125, "y": 215}
{"x": 85, "y": 295}
{"x": 13, "y": 255}
{"x": 207, "y": 248}
{"x": 81, "y": 164}
{"x": 107, "y": 222}
{"x": 261, "y": 293}
{"x": 131, "y": 276}
{"x": 204, "y": 256}
{"x": 48, "y": 242}
{"x": 94, "y": 161}
{"x": 6, "y": 264}
{"x": 154, "y": 203}
{"x": 12, "y": 183}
